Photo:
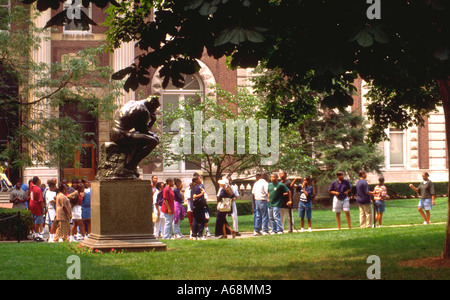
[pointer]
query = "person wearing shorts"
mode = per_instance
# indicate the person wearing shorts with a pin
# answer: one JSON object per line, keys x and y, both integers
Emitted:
{"x": 306, "y": 191}
{"x": 37, "y": 209}
{"x": 340, "y": 189}
{"x": 380, "y": 195}
{"x": 427, "y": 193}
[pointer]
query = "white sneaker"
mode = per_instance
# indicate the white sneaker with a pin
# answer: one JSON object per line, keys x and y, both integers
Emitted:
{"x": 265, "y": 233}
{"x": 208, "y": 234}
{"x": 203, "y": 238}
{"x": 309, "y": 229}
{"x": 280, "y": 232}
{"x": 302, "y": 229}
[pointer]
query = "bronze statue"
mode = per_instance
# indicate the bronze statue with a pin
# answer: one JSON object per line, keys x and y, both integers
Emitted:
{"x": 131, "y": 140}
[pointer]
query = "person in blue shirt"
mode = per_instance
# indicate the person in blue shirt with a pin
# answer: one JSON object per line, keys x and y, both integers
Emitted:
{"x": 86, "y": 206}
{"x": 364, "y": 201}
{"x": 306, "y": 191}
{"x": 340, "y": 188}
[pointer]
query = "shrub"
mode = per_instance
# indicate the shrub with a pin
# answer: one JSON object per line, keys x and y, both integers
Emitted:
{"x": 11, "y": 228}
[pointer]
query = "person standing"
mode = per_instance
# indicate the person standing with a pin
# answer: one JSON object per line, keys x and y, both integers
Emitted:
{"x": 180, "y": 212}
{"x": 379, "y": 196}
{"x": 222, "y": 226}
{"x": 63, "y": 213}
{"x": 37, "y": 209}
{"x": 276, "y": 190}
{"x": 340, "y": 188}
{"x": 17, "y": 196}
{"x": 260, "y": 192}
{"x": 86, "y": 207}
{"x": 286, "y": 210}
{"x": 427, "y": 194}
{"x": 154, "y": 182}
{"x": 306, "y": 191}
{"x": 158, "y": 226}
{"x": 50, "y": 200}
{"x": 198, "y": 208}
{"x": 77, "y": 223}
{"x": 363, "y": 198}
{"x": 168, "y": 208}
{"x": 234, "y": 213}
{"x": 189, "y": 213}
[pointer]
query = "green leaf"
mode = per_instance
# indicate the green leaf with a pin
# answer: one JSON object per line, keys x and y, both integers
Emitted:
{"x": 254, "y": 36}
{"x": 379, "y": 35}
{"x": 365, "y": 39}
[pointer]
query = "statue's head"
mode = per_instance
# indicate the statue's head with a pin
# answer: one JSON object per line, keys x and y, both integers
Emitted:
{"x": 152, "y": 103}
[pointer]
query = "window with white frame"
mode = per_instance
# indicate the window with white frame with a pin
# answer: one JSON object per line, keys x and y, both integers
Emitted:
{"x": 396, "y": 147}
{"x": 72, "y": 27}
{"x": 5, "y": 10}
{"x": 172, "y": 96}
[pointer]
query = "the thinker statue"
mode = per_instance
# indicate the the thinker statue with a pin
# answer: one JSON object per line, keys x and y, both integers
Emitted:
{"x": 131, "y": 140}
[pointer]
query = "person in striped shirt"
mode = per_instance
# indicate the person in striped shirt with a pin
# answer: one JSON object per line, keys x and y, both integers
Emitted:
{"x": 380, "y": 195}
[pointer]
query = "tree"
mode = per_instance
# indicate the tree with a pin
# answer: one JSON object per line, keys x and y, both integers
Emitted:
{"x": 338, "y": 142}
{"x": 229, "y": 134}
{"x": 401, "y": 48}
{"x": 39, "y": 131}
{"x": 335, "y": 139}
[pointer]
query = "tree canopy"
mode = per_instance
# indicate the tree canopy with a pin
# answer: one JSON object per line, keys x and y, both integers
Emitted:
{"x": 322, "y": 44}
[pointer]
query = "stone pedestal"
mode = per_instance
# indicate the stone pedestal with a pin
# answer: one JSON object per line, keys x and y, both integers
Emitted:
{"x": 121, "y": 216}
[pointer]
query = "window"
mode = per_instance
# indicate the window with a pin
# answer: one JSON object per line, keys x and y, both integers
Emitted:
{"x": 72, "y": 27}
{"x": 5, "y": 10}
{"x": 396, "y": 147}
{"x": 171, "y": 99}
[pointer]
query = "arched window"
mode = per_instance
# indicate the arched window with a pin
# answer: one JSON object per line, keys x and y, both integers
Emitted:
{"x": 193, "y": 91}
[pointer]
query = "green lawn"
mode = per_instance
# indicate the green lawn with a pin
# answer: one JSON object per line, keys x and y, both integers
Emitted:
{"x": 316, "y": 255}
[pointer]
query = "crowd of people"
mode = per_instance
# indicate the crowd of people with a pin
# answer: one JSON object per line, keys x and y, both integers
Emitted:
{"x": 65, "y": 208}
{"x": 168, "y": 209}
{"x": 272, "y": 201}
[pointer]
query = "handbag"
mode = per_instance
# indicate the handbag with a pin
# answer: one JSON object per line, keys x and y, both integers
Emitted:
{"x": 224, "y": 205}
{"x": 155, "y": 217}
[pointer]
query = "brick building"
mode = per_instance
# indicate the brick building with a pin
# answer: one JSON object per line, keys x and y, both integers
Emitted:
{"x": 407, "y": 155}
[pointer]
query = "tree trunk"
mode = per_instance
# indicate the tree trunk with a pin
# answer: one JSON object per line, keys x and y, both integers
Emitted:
{"x": 444, "y": 89}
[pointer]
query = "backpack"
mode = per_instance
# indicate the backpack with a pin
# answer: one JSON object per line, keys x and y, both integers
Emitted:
{"x": 160, "y": 199}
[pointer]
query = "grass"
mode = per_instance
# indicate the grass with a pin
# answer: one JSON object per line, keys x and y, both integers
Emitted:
{"x": 310, "y": 255}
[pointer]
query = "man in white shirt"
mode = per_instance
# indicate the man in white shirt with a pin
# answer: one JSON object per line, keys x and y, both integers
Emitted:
{"x": 261, "y": 193}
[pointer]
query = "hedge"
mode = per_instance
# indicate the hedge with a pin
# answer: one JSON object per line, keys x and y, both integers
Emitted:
{"x": 10, "y": 228}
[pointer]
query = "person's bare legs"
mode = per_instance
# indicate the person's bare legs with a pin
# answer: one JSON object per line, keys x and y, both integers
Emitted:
{"x": 347, "y": 215}
{"x": 427, "y": 220}
{"x": 338, "y": 220}
{"x": 379, "y": 218}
